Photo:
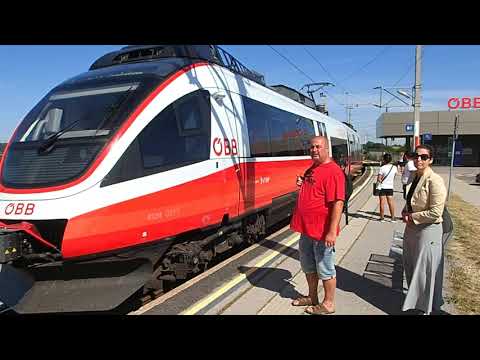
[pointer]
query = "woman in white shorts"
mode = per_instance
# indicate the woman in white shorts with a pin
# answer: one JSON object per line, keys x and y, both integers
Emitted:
{"x": 385, "y": 179}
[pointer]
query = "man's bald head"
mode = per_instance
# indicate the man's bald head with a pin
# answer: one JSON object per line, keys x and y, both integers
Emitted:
{"x": 324, "y": 139}
{"x": 319, "y": 149}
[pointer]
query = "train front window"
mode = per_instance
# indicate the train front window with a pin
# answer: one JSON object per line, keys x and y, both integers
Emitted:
{"x": 62, "y": 135}
{"x": 85, "y": 113}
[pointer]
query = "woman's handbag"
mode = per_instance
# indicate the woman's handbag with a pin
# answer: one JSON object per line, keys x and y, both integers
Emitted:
{"x": 375, "y": 185}
{"x": 447, "y": 226}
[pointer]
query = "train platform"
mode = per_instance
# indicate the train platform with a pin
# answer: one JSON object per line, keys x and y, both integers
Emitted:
{"x": 369, "y": 268}
{"x": 368, "y": 264}
{"x": 264, "y": 280}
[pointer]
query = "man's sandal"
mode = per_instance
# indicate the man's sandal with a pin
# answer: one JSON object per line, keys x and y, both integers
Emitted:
{"x": 302, "y": 301}
{"x": 318, "y": 310}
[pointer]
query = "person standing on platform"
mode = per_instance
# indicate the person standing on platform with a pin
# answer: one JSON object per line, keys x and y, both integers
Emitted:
{"x": 403, "y": 161}
{"x": 385, "y": 179}
{"x": 317, "y": 217}
{"x": 408, "y": 169}
{"x": 422, "y": 239}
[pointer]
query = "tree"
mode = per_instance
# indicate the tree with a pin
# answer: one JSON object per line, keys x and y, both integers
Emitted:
{"x": 371, "y": 146}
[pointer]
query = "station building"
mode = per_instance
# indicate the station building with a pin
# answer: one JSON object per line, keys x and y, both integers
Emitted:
{"x": 436, "y": 129}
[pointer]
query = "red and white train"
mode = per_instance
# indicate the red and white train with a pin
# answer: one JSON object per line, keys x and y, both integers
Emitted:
{"x": 142, "y": 169}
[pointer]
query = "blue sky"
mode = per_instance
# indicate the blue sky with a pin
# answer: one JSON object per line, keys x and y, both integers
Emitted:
{"x": 28, "y": 72}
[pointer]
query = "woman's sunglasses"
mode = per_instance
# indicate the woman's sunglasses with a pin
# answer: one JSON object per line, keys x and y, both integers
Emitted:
{"x": 424, "y": 157}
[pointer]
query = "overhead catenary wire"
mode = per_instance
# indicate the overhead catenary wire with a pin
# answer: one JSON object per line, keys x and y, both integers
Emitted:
{"x": 324, "y": 68}
{"x": 329, "y": 74}
{"x": 368, "y": 63}
{"x": 291, "y": 63}
{"x": 302, "y": 72}
{"x": 410, "y": 68}
{"x": 405, "y": 74}
{"x": 334, "y": 79}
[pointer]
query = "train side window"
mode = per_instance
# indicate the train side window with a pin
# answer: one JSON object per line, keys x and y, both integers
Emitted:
{"x": 339, "y": 151}
{"x": 128, "y": 167}
{"x": 275, "y": 132}
{"x": 306, "y": 132}
{"x": 257, "y": 115}
{"x": 177, "y": 136}
{"x": 180, "y": 134}
{"x": 287, "y": 132}
{"x": 290, "y": 135}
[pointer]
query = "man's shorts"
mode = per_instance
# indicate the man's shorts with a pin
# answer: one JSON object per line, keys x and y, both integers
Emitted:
{"x": 385, "y": 192}
{"x": 315, "y": 256}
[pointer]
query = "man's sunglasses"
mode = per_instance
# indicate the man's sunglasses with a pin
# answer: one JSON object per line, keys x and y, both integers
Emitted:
{"x": 424, "y": 157}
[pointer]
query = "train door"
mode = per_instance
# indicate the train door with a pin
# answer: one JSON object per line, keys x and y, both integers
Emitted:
{"x": 225, "y": 151}
{"x": 244, "y": 168}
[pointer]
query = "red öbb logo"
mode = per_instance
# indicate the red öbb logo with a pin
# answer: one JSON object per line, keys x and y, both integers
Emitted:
{"x": 19, "y": 209}
{"x": 225, "y": 146}
{"x": 464, "y": 103}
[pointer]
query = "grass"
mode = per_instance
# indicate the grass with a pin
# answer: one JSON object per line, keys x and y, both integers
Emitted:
{"x": 463, "y": 255}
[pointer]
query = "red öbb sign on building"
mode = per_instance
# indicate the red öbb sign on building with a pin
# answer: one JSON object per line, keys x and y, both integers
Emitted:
{"x": 464, "y": 103}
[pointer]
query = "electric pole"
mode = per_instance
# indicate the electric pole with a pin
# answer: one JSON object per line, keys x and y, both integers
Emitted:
{"x": 455, "y": 132}
{"x": 417, "y": 96}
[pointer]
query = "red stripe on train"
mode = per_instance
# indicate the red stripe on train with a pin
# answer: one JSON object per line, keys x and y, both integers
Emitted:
{"x": 192, "y": 205}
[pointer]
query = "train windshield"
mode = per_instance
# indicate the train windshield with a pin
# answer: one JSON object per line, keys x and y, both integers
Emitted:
{"x": 84, "y": 113}
{"x": 62, "y": 135}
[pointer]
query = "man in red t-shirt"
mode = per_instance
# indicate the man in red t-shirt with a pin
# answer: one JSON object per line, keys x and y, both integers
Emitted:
{"x": 317, "y": 217}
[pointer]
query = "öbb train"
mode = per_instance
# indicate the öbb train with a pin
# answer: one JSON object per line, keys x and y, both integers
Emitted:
{"x": 142, "y": 169}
